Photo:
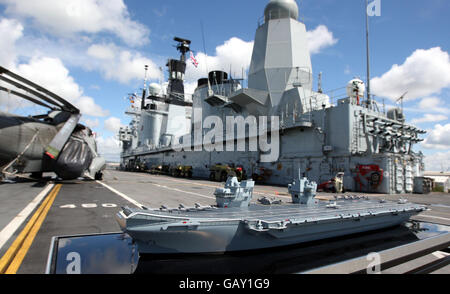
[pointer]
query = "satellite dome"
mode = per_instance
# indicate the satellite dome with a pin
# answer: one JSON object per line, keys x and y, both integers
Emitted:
{"x": 155, "y": 89}
{"x": 277, "y": 9}
{"x": 355, "y": 90}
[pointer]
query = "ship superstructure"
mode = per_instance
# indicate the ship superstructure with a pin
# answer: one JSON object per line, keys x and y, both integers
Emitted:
{"x": 352, "y": 136}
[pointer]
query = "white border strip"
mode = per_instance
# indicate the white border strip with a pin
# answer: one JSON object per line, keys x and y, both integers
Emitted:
{"x": 134, "y": 202}
{"x": 181, "y": 191}
{"x": 12, "y": 227}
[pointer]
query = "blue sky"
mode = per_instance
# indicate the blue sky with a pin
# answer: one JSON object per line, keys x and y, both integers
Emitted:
{"x": 93, "y": 51}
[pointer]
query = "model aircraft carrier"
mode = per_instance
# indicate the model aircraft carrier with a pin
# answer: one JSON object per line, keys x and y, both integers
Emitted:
{"x": 236, "y": 225}
{"x": 82, "y": 213}
{"x": 320, "y": 134}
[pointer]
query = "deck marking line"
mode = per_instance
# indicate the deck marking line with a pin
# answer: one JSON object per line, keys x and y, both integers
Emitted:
{"x": 15, "y": 224}
{"x": 121, "y": 195}
{"x": 17, "y": 261}
{"x": 181, "y": 191}
{"x": 9, "y": 256}
{"x": 436, "y": 217}
{"x": 264, "y": 192}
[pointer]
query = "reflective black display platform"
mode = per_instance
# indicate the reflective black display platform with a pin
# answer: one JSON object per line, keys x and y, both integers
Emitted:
{"x": 116, "y": 253}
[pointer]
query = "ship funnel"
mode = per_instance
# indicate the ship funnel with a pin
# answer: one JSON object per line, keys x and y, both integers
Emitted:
{"x": 277, "y": 9}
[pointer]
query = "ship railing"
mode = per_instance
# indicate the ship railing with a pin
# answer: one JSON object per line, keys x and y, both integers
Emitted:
{"x": 301, "y": 77}
{"x": 336, "y": 94}
{"x": 276, "y": 14}
{"x": 339, "y": 94}
{"x": 133, "y": 111}
{"x": 222, "y": 90}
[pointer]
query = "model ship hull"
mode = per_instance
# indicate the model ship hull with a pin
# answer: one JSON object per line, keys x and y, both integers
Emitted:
{"x": 256, "y": 227}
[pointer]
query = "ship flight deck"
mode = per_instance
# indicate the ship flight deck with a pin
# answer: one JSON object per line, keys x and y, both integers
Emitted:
{"x": 32, "y": 213}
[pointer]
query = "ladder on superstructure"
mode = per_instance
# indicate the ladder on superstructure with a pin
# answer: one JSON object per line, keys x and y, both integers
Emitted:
{"x": 355, "y": 136}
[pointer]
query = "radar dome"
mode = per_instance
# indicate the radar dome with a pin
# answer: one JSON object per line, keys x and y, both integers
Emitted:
{"x": 356, "y": 89}
{"x": 155, "y": 89}
{"x": 281, "y": 9}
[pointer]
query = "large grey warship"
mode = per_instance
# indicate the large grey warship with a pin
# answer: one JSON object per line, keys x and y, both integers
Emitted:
{"x": 236, "y": 225}
{"x": 317, "y": 134}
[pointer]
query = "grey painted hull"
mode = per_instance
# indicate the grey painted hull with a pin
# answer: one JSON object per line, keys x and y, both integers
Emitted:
{"x": 216, "y": 235}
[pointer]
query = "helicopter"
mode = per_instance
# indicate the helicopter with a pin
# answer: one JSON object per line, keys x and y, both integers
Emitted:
{"x": 51, "y": 142}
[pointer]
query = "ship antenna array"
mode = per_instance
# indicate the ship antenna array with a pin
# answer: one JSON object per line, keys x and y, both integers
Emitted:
{"x": 210, "y": 92}
{"x": 161, "y": 76}
{"x": 319, "y": 86}
{"x": 401, "y": 100}
{"x": 369, "y": 99}
{"x": 145, "y": 77}
{"x": 144, "y": 90}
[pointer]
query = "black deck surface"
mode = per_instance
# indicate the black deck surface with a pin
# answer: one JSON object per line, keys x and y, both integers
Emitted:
{"x": 62, "y": 219}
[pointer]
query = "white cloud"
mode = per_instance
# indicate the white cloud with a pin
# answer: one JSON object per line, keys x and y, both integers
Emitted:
{"x": 237, "y": 54}
{"x": 438, "y": 138}
{"x": 119, "y": 64}
{"x": 433, "y": 104}
{"x": 319, "y": 39}
{"x": 71, "y": 17}
{"x": 53, "y": 75}
{"x": 431, "y": 109}
{"x": 113, "y": 124}
{"x": 429, "y": 118}
{"x": 189, "y": 88}
{"x": 439, "y": 161}
{"x": 91, "y": 123}
{"x": 426, "y": 105}
{"x": 46, "y": 71}
{"x": 113, "y": 62}
{"x": 10, "y": 31}
{"x": 424, "y": 73}
{"x": 101, "y": 52}
{"x": 109, "y": 148}
{"x": 429, "y": 102}
{"x": 88, "y": 106}
{"x": 234, "y": 53}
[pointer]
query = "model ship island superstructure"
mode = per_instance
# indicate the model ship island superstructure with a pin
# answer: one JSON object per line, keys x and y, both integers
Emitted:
{"x": 371, "y": 148}
{"x": 237, "y": 225}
